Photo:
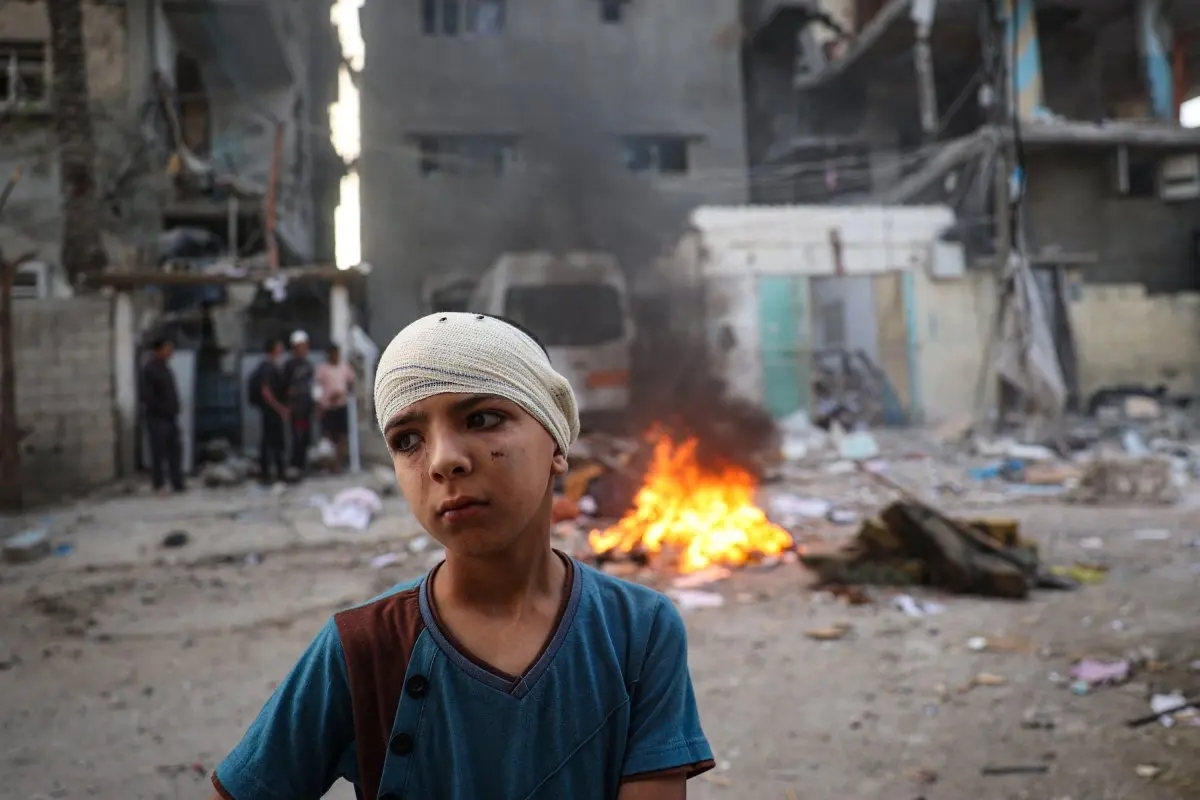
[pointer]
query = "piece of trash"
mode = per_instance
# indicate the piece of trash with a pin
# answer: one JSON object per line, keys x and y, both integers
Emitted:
{"x": 386, "y": 560}
{"x": 1080, "y": 688}
{"x": 254, "y": 559}
{"x": 689, "y": 599}
{"x": 988, "y": 679}
{"x": 587, "y": 505}
{"x": 917, "y": 608}
{"x": 1036, "y": 719}
{"x": 419, "y": 544}
{"x": 1172, "y": 708}
{"x": 790, "y": 505}
{"x": 1016, "y": 769}
{"x": 842, "y": 517}
{"x": 1148, "y": 771}
{"x": 1089, "y": 574}
{"x": 922, "y": 775}
{"x": 858, "y": 446}
{"x": 63, "y": 550}
{"x": 1096, "y": 673}
{"x": 1092, "y": 543}
{"x": 1000, "y": 644}
{"x": 176, "y": 539}
{"x": 704, "y": 577}
{"x": 830, "y": 634}
{"x": 26, "y": 546}
{"x": 351, "y": 508}
{"x": 1152, "y": 535}
{"x": 851, "y": 595}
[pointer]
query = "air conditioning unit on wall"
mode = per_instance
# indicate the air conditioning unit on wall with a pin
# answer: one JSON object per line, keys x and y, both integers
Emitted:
{"x": 1179, "y": 177}
{"x": 32, "y": 281}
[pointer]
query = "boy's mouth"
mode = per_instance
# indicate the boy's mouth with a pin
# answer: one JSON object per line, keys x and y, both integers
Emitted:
{"x": 458, "y": 508}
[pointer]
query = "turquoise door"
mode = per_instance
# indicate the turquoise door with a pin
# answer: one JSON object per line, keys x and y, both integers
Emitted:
{"x": 783, "y": 323}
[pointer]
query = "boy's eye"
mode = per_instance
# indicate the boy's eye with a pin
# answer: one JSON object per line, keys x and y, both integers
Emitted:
{"x": 405, "y": 442}
{"x": 480, "y": 420}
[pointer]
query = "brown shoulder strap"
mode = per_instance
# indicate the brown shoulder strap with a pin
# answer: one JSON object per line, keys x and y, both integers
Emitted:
{"x": 377, "y": 640}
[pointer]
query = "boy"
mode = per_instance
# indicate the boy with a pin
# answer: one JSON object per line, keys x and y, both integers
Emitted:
{"x": 510, "y": 671}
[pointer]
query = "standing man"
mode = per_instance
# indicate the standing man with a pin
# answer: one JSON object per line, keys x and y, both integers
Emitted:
{"x": 160, "y": 410}
{"x": 335, "y": 378}
{"x": 298, "y": 381}
{"x": 266, "y": 393}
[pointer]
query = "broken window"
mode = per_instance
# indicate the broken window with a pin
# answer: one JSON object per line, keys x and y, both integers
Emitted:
{"x": 24, "y": 74}
{"x": 459, "y": 154}
{"x": 566, "y": 314}
{"x": 463, "y": 17}
{"x": 662, "y": 154}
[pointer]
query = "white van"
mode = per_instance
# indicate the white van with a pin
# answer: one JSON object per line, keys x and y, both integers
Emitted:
{"x": 577, "y": 304}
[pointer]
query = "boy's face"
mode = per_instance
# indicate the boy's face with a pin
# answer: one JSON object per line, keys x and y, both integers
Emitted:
{"x": 476, "y": 470}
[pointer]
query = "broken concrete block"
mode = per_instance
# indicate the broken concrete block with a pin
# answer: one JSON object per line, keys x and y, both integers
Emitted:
{"x": 26, "y": 547}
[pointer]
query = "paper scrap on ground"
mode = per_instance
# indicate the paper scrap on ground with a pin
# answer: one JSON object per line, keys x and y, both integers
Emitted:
{"x": 351, "y": 508}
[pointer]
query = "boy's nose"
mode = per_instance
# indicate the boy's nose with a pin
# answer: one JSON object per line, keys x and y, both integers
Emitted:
{"x": 449, "y": 458}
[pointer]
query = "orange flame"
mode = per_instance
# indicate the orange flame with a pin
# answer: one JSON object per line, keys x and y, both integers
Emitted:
{"x": 708, "y": 518}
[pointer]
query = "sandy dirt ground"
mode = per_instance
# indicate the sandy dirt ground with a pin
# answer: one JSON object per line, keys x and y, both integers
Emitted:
{"x": 128, "y": 670}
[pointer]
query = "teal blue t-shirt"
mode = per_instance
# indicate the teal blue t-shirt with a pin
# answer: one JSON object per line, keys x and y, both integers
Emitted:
{"x": 385, "y": 699}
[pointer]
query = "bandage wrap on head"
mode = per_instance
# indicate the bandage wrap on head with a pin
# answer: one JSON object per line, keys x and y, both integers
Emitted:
{"x": 458, "y": 353}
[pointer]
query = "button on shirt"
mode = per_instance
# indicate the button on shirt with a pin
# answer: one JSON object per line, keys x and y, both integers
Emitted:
{"x": 387, "y": 700}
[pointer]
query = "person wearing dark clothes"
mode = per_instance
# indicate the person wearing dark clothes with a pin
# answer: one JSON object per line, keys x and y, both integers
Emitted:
{"x": 267, "y": 386}
{"x": 298, "y": 376}
{"x": 160, "y": 410}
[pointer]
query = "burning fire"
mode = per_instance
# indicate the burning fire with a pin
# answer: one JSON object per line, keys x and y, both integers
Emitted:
{"x": 707, "y": 518}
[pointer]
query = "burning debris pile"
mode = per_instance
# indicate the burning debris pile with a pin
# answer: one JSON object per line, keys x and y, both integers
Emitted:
{"x": 694, "y": 516}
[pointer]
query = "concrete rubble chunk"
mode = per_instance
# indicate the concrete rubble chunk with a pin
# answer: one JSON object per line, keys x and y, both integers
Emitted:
{"x": 26, "y": 547}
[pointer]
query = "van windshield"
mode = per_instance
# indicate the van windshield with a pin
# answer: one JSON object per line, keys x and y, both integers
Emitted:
{"x": 568, "y": 314}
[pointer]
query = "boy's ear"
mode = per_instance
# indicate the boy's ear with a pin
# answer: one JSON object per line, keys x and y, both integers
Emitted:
{"x": 559, "y": 465}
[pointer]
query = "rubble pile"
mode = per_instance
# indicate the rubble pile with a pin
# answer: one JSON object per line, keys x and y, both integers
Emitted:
{"x": 910, "y": 543}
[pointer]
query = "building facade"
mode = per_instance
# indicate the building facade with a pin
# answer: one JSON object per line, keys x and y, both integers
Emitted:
{"x": 491, "y": 126}
{"x": 869, "y": 102}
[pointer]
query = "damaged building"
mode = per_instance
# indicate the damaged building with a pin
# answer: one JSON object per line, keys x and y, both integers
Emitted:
{"x": 491, "y": 126}
{"x": 213, "y": 159}
{"x": 885, "y": 102}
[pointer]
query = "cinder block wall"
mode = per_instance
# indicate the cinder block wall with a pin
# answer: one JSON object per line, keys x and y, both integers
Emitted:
{"x": 64, "y": 355}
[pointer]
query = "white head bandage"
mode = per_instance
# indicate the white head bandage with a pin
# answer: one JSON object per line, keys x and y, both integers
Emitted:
{"x": 457, "y": 353}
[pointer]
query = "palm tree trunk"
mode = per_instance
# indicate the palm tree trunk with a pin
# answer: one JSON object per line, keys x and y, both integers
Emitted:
{"x": 82, "y": 252}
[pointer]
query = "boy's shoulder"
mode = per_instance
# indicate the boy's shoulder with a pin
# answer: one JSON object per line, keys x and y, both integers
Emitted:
{"x": 627, "y": 606}
{"x": 393, "y": 615}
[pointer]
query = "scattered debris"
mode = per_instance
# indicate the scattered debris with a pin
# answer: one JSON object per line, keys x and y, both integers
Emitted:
{"x": 986, "y": 679}
{"x": 1000, "y": 644}
{"x": 912, "y": 543}
{"x": 351, "y": 508}
{"x": 27, "y": 546}
{"x": 1162, "y": 710}
{"x": 1015, "y": 769}
{"x": 689, "y": 599}
{"x": 386, "y": 560}
{"x": 176, "y": 539}
{"x": 829, "y": 634}
{"x": 922, "y": 775}
{"x": 1093, "y": 672}
{"x": 917, "y": 608}
{"x": 1148, "y": 771}
{"x": 1173, "y": 708}
{"x": 1038, "y": 719}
